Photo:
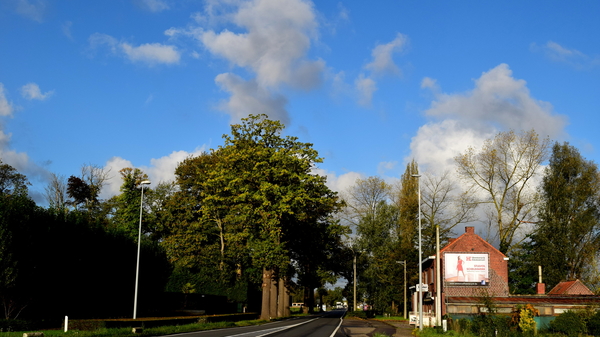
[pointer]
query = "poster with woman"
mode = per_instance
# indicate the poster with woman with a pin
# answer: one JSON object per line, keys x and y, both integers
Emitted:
{"x": 466, "y": 269}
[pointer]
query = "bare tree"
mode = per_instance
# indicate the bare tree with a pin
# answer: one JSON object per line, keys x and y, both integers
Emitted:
{"x": 95, "y": 176}
{"x": 56, "y": 192}
{"x": 362, "y": 198}
{"x": 503, "y": 169}
{"x": 444, "y": 206}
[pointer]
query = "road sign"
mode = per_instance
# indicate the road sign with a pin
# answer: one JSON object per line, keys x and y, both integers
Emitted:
{"x": 424, "y": 287}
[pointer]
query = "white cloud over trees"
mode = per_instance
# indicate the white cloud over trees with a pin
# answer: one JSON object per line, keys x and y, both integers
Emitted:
{"x": 149, "y": 53}
{"x": 498, "y": 102}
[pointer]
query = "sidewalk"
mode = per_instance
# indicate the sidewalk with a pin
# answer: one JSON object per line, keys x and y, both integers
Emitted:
{"x": 355, "y": 327}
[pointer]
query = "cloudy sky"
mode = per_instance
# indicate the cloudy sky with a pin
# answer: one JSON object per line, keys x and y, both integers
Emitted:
{"x": 146, "y": 83}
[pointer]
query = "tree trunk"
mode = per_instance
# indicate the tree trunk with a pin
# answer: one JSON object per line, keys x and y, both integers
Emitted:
{"x": 266, "y": 294}
{"x": 286, "y": 302}
{"x": 273, "y": 299}
{"x": 281, "y": 299}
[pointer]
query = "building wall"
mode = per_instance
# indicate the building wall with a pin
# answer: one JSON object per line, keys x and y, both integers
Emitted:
{"x": 470, "y": 243}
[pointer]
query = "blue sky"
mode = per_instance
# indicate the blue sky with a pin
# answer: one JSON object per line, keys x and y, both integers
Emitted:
{"x": 146, "y": 83}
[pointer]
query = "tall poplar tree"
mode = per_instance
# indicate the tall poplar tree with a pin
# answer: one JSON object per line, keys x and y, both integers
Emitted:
{"x": 566, "y": 239}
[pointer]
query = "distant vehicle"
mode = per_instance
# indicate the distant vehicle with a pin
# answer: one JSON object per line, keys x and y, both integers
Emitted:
{"x": 297, "y": 305}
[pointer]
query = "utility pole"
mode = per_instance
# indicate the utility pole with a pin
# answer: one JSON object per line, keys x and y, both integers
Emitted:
{"x": 354, "y": 309}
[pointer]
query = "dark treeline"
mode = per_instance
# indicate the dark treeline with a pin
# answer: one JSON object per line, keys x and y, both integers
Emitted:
{"x": 56, "y": 264}
{"x": 236, "y": 218}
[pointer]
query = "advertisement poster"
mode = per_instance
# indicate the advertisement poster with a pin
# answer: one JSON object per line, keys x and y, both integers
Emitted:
{"x": 466, "y": 269}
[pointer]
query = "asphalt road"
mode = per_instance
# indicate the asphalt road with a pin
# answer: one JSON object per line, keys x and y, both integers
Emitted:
{"x": 321, "y": 325}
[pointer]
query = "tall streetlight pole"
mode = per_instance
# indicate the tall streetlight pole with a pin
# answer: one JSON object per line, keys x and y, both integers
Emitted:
{"x": 420, "y": 287}
{"x": 354, "y": 283}
{"x": 137, "y": 269}
{"x": 438, "y": 279}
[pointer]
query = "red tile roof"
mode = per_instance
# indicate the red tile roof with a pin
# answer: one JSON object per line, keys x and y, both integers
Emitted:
{"x": 575, "y": 287}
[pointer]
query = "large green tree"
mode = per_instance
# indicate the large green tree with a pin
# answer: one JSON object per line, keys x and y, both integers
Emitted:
{"x": 126, "y": 206}
{"x": 566, "y": 239}
{"x": 256, "y": 205}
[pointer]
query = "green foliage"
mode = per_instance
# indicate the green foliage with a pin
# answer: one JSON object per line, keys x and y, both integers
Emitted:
{"x": 593, "y": 324}
{"x": 8, "y": 325}
{"x": 569, "y": 323}
{"x": 253, "y": 204}
{"x": 523, "y": 318}
{"x": 569, "y": 213}
{"x": 491, "y": 325}
{"x": 51, "y": 253}
{"x": 128, "y": 204}
{"x": 11, "y": 181}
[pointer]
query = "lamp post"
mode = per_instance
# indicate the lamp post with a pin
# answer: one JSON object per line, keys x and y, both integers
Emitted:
{"x": 137, "y": 269}
{"x": 420, "y": 288}
{"x": 404, "y": 263}
{"x": 438, "y": 279}
{"x": 354, "y": 283}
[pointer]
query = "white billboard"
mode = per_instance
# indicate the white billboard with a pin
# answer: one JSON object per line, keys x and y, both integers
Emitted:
{"x": 466, "y": 269}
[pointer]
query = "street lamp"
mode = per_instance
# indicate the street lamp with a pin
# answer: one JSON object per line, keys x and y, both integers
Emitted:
{"x": 420, "y": 288}
{"x": 137, "y": 269}
{"x": 404, "y": 263}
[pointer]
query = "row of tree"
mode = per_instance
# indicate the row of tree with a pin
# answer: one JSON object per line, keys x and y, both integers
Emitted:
{"x": 247, "y": 218}
{"x": 252, "y": 219}
{"x": 537, "y": 214}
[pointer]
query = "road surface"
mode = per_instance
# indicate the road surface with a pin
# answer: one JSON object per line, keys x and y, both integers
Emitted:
{"x": 319, "y": 325}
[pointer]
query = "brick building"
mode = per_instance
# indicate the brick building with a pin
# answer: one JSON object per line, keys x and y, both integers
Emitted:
{"x": 472, "y": 268}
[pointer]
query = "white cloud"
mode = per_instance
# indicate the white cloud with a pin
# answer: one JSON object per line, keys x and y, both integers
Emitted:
{"x": 573, "y": 57}
{"x": 501, "y": 101}
{"x": 32, "y": 91}
{"x": 386, "y": 166}
{"x": 498, "y": 102}
{"x": 66, "y": 28}
{"x": 154, "y": 6}
{"x": 113, "y": 184}
{"x": 274, "y": 46}
{"x": 148, "y": 53}
{"x": 151, "y": 53}
{"x": 338, "y": 183}
{"x": 383, "y": 63}
{"x": 429, "y": 83}
{"x": 436, "y": 144}
{"x": 6, "y": 107}
{"x": 365, "y": 87}
{"x": 33, "y": 10}
{"x": 247, "y": 97}
{"x": 160, "y": 170}
{"x": 19, "y": 160}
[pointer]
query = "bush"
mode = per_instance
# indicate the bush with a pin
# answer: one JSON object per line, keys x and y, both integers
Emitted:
{"x": 8, "y": 325}
{"x": 569, "y": 323}
{"x": 491, "y": 325}
{"x": 593, "y": 325}
{"x": 357, "y": 313}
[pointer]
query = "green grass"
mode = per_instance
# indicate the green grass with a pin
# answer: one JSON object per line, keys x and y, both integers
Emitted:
{"x": 390, "y": 318}
{"x": 157, "y": 331}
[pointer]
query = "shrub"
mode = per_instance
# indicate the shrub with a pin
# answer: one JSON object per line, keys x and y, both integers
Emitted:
{"x": 491, "y": 325}
{"x": 7, "y": 325}
{"x": 522, "y": 317}
{"x": 357, "y": 313}
{"x": 569, "y": 323}
{"x": 593, "y": 324}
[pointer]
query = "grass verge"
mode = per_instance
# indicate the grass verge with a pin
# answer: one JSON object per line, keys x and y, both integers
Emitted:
{"x": 156, "y": 331}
